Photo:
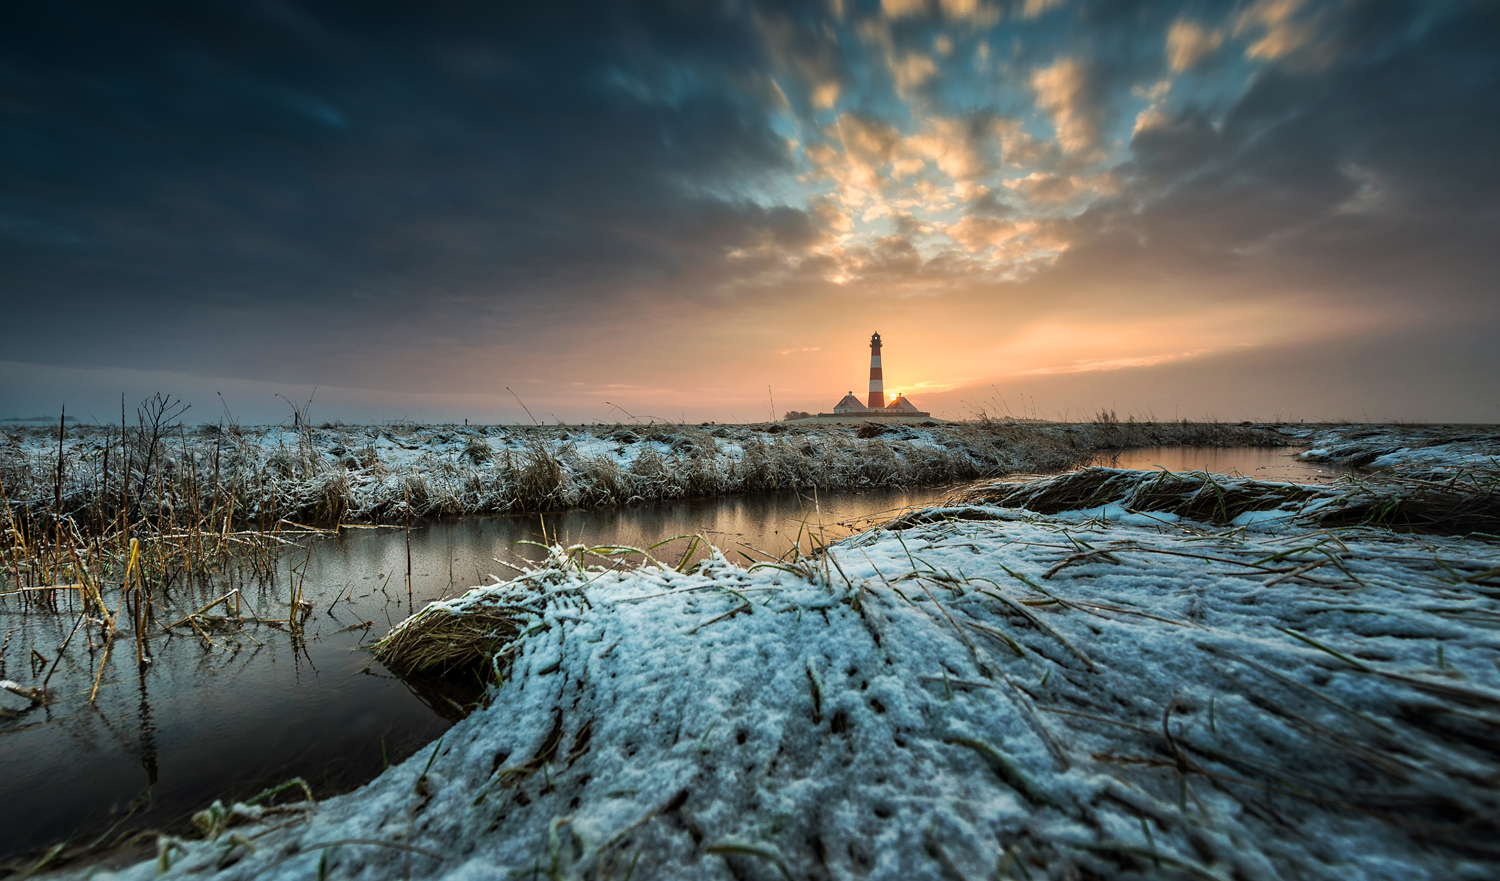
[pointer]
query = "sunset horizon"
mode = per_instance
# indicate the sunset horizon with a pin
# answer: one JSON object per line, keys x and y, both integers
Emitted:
{"x": 1247, "y": 210}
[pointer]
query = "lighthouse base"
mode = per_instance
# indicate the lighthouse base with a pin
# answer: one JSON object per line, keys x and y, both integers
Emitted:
{"x": 857, "y": 418}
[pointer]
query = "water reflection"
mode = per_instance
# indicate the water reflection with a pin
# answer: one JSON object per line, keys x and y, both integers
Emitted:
{"x": 454, "y": 554}
{"x": 1260, "y": 463}
{"x": 148, "y": 733}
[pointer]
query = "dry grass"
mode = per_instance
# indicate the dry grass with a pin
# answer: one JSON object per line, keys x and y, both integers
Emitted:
{"x": 1413, "y": 506}
{"x": 128, "y": 527}
{"x": 441, "y": 640}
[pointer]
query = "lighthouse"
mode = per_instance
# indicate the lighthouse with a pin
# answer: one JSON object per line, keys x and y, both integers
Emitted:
{"x": 849, "y": 408}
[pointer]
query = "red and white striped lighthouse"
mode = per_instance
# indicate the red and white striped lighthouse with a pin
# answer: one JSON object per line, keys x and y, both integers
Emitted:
{"x": 877, "y": 381}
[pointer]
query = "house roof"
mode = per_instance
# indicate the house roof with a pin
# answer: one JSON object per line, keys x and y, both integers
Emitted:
{"x": 902, "y": 404}
{"x": 849, "y": 402}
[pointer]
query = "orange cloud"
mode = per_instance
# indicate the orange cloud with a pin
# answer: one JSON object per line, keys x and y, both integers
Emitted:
{"x": 1062, "y": 93}
{"x": 1011, "y": 238}
{"x": 1189, "y": 43}
{"x": 1281, "y": 31}
{"x": 1084, "y": 365}
{"x": 1056, "y": 189}
{"x": 1034, "y": 8}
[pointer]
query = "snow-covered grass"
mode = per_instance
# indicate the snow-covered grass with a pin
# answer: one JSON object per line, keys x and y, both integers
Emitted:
{"x": 1440, "y": 453}
{"x": 89, "y": 508}
{"x": 259, "y": 476}
{"x": 976, "y": 692}
{"x": 1461, "y": 507}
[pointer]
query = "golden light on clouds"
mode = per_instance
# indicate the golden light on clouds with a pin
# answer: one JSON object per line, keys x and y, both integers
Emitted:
{"x": 1034, "y": 8}
{"x": 1061, "y": 91}
{"x": 1189, "y": 43}
{"x": 681, "y": 204}
{"x": 1281, "y": 30}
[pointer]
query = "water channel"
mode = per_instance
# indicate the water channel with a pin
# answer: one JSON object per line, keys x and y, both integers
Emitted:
{"x": 225, "y": 721}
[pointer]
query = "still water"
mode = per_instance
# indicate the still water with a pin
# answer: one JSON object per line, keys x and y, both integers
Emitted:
{"x": 224, "y": 721}
{"x": 1258, "y": 463}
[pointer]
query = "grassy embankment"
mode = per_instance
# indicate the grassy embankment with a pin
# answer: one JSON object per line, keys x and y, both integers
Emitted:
{"x": 113, "y": 523}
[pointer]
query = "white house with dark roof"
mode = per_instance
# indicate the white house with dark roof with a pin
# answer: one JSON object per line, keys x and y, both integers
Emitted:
{"x": 849, "y": 404}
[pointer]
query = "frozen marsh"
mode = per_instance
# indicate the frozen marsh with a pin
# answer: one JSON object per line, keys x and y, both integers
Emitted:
{"x": 256, "y": 477}
{"x": 1100, "y": 674}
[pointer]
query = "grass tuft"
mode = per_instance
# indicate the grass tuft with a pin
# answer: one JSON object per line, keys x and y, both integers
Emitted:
{"x": 440, "y": 640}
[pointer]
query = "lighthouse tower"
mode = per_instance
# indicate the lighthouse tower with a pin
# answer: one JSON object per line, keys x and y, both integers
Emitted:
{"x": 877, "y": 381}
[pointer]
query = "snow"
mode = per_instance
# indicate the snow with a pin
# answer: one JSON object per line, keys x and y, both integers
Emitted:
{"x": 1262, "y": 518}
{"x": 1117, "y": 514}
{"x": 993, "y": 693}
{"x": 1429, "y": 452}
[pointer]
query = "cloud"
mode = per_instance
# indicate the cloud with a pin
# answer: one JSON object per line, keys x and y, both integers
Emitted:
{"x": 1371, "y": 194}
{"x": 484, "y": 159}
{"x": 987, "y": 204}
{"x": 977, "y": 232}
{"x": 1056, "y": 189}
{"x": 912, "y": 70}
{"x": 1065, "y": 93}
{"x": 891, "y": 255}
{"x": 806, "y": 51}
{"x": 1009, "y": 240}
{"x": 868, "y": 159}
{"x": 1154, "y": 114}
{"x": 1189, "y": 44}
{"x": 1035, "y": 8}
{"x": 856, "y": 151}
{"x": 902, "y": 8}
{"x": 956, "y": 146}
{"x": 959, "y": 10}
{"x": 906, "y": 167}
{"x": 1281, "y": 31}
{"x": 826, "y": 94}
{"x": 867, "y": 138}
{"x": 830, "y": 215}
{"x": 1359, "y": 182}
{"x": 1093, "y": 366}
{"x": 1017, "y": 146}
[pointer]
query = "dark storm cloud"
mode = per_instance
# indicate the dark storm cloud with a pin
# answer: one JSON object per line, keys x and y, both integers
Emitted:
{"x": 1371, "y": 174}
{"x": 300, "y": 165}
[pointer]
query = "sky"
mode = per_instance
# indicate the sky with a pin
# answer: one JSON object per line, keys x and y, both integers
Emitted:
{"x": 700, "y": 211}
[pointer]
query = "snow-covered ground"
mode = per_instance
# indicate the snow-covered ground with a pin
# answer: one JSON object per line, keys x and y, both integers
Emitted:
{"x": 977, "y": 692}
{"x": 1467, "y": 453}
